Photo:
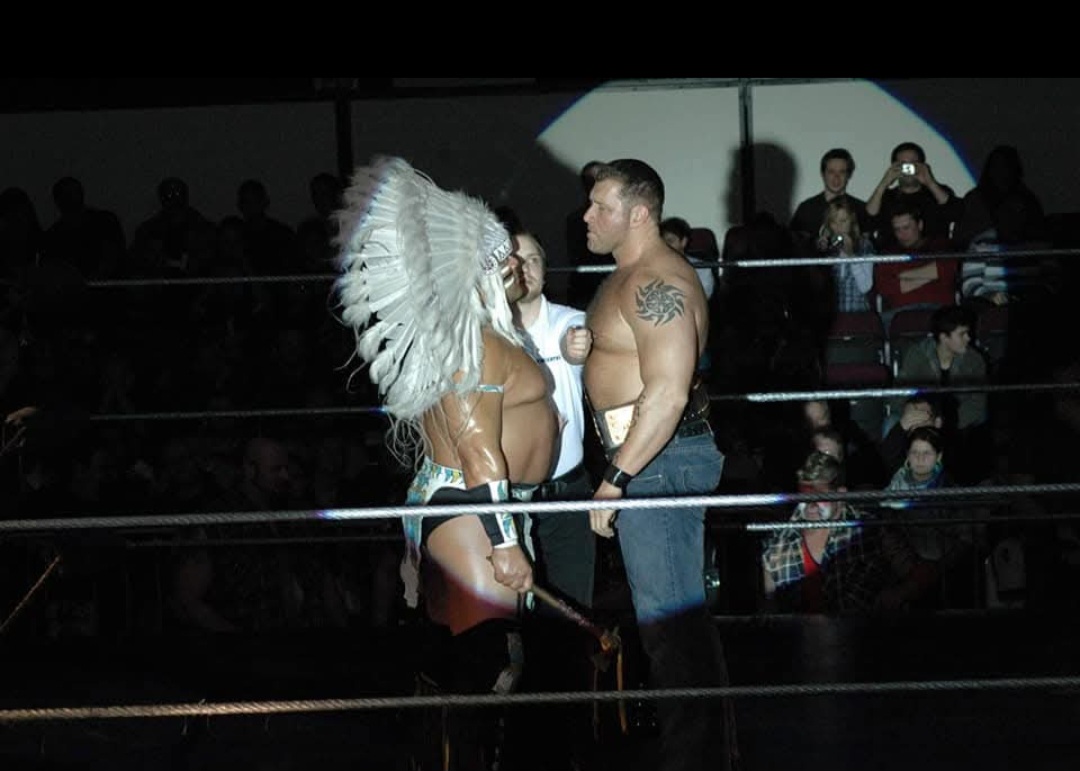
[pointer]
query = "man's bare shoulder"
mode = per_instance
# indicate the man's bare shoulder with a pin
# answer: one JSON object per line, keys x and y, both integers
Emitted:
{"x": 662, "y": 264}
{"x": 659, "y": 289}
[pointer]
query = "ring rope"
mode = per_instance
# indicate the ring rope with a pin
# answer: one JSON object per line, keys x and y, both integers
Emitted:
{"x": 762, "y": 397}
{"x": 788, "y": 262}
{"x": 889, "y": 393}
{"x": 773, "y": 262}
{"x": 311, "y": 412}
{"x": 778, "y": 262}
{"x": 749, "y": 527}
{"x": 384, "y": 512}
{"x": 111, "y": 712}
{"x": 120, "y": 283}
{"x": 235, "y": 708}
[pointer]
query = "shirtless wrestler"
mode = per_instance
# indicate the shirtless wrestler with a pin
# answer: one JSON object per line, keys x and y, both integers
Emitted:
{"x": 427, "y": 278}
{"x": 650, "y": 321}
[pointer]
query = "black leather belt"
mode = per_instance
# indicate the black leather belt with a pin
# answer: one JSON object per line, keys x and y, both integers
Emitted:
{"x": 554, "y": 487}
{"x": 695, "y": 427}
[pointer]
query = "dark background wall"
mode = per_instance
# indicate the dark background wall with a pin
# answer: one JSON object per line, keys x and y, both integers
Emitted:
{"x": 121, "y": 136}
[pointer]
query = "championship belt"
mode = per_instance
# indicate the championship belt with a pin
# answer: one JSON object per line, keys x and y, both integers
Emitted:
{"x": 613, "y": 424}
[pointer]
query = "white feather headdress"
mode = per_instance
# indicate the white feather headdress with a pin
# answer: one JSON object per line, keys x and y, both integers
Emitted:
{"x": 420, "y": 278}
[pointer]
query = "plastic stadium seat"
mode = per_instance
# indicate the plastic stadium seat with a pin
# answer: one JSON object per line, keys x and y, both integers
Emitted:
{"x": 856, "y": 338}
{"x": 703, "y": 245}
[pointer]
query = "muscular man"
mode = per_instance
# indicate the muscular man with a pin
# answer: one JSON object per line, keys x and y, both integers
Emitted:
{"x": 649, "y": 322}
{"x": 427, "y": 281}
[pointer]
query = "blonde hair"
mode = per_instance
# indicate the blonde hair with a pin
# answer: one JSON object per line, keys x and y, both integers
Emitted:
{"x": 842, "y": 204}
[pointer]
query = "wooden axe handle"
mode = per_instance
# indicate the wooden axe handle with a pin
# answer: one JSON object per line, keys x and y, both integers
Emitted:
{"x": 607, "y": 640}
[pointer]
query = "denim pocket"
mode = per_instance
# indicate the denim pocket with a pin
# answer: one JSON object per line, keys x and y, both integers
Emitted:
{"x": 701, "y": 478}
{"x": 651, "y": 482}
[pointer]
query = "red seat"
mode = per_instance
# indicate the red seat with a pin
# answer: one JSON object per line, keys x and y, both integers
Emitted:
{"x": 910, "y": 322}
{"x": 856, "y": 337}
{"x": 857, "y": 374}
{"x": 908, "y": 327}
{"x": 703, "y": 245}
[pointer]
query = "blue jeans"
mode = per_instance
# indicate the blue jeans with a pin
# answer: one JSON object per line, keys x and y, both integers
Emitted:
{"x": 663, "y": 551}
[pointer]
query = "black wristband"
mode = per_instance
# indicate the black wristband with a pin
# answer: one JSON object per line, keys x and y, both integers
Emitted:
{"x": 616, "y": 477}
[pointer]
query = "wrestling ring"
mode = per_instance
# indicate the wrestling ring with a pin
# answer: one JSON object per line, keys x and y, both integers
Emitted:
{"x": 993, "y": 687}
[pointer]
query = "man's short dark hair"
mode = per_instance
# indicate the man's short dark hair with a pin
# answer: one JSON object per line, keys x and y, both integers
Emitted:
{"x": 640, "y": 183}
{"x": 903, "y": 146}
{"x": 677, "y": 226}
{"x": 948, "y": 318}
{"x": 933, "y": 401}
{"x": 841, "y": 154}
{"x": 907, "y": 208}
{"x": 928, "y": 434}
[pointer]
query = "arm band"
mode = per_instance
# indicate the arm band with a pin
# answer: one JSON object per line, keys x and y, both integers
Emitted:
{"x": 499, "y": 527}
{"x": 616, "y": 477}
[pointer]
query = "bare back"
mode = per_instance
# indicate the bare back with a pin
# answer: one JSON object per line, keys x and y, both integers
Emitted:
{"x": 650, "y": 319}
{"x": 498, "y": 435}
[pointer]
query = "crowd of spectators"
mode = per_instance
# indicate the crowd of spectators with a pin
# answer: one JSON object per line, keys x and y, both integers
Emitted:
{"x": 152, "y": 398}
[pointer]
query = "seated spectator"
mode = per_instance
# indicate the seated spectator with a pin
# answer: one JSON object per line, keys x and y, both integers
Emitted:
{"x": 828, "y": 440}
{"x": 89, "y": 239}
{"x": 818, "y": 413}
{"x": 160, "y": 245}
{"x": 1001, "y": 213}
{"x": 918, "y": 410}
{"x": 920, "y": 283}
{"x": 841, "y": 236}
{"x": 786, "y": 430}
{"x": 837, "y": 166}
{"x": 1001, "y": 209}
{"x": 862, "y": 461}
{"x": 944, "y": 546}
{"x": 21, "y": 233}
{"x": 315, "y": 234}
{"x": 269, "y": 244}
{"x": 676, "y": 233}
{"x": 240, "y": 589}
{"x": 838, "y": 570}
{"x": 947, "y": 358}
{"x": 908, "y": 183}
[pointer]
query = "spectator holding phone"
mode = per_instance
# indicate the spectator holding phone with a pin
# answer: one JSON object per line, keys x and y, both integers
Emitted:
{"x": 908, "y": 181}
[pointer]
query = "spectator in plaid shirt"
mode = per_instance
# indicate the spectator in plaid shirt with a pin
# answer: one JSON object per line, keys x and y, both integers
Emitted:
{"x": 838, "y": 570}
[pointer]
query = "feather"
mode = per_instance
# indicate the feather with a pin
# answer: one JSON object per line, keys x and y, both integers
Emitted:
{"x": 418, "y": 281}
